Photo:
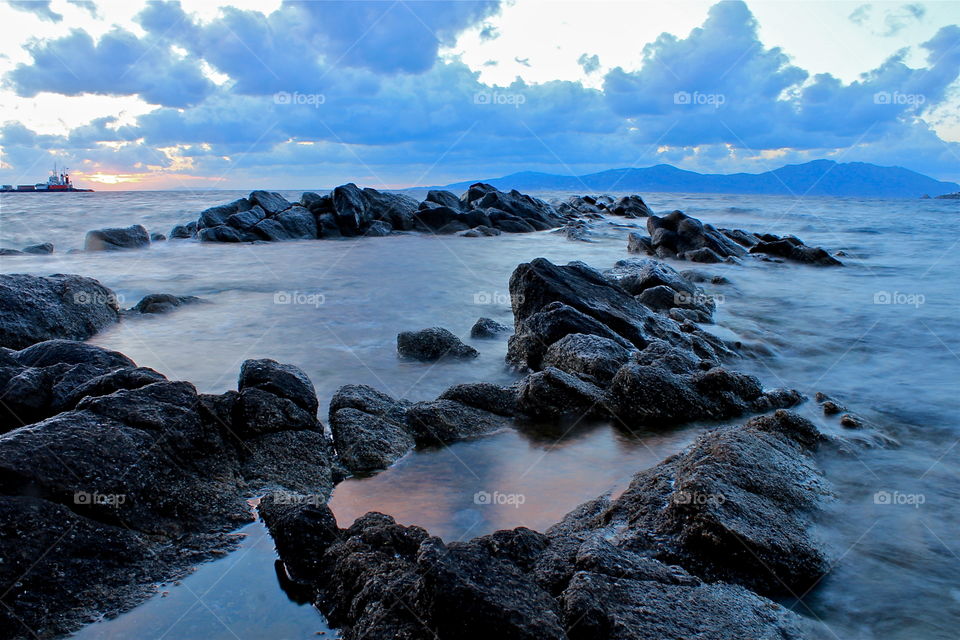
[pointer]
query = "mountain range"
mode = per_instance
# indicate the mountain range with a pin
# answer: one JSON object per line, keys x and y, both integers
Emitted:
{"x": 815, "y": 178}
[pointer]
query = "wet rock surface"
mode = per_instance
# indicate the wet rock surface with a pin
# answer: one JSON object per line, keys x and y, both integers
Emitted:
{"x": 37, "y": 308}
{"x": 434, "y": 343}
{"x": 113, "y": 239}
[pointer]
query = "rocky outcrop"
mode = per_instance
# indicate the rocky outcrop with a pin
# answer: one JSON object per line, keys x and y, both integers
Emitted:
{"x": 434, "y": 343}
{"x": 487, "y": 328}
{"x": 82, "y": 533}
{"x": 695, "y": 547}
{"x": 113, "y": 239}
{"x": 792, "y": 248}
{"x": 36, "y": 308}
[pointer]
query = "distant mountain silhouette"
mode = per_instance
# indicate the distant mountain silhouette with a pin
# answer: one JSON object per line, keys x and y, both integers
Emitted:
{"x": 816, "y": 178}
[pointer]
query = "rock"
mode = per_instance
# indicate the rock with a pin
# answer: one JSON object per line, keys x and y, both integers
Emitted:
{"x": 513, "y": 225}
{"x": 631, "y": 206}
{"x": 259, "y": 412}
{"x": 368, "y": 400}
{"x": 530, "y": 210}
{"x": 432, "y": 344}
{"x": 555, "y": 394}
{"x": 589, "y": 357}
{"x": 654, "y": 396}
{"x": 133, "y": 237}
{"x": 637, "y": 243}
{"x": 638, "y": 275}
{"x": 163, "y": 303}
{"x": 783, "y": 248}
{"x": 703, "y": 254}
{"x": 444, "y": 198}
{"x": 298, "y": 222}
{"x": 368, "y": 443}
{"x": 831, "y": 408}
{"x": 395, "y": 209}
{"x": 445, "y": 421}
{"x": 526, "y": 348}
{"x": 220, "y": 233}
{"x": 271, "y": 202}
{"x": 378, "y": 229}
{"x": 661, "y": 298}
{"x": 297, "y": 460}
{"x": 40, "y": 249}
{"x": 485, "y": 396}
{"x": 481, "y": 231}
{"x": 36, "y": 308}
{"x": 246, "y": 220}
{"x": 350, "y": 208}
{"x": 271, "y": 230}
{"x": 316, "y": 203}
{"x": 850, "y": 422}
{"x": 438, "y": 218}
{"x": 487, "y": 328}
{"x": 283, "y": 380}
{"x": 327, "y": 226}
{"x": 184, "y": 231}
{"x": 50, "y": 352}
{"x": 217, "y": 216}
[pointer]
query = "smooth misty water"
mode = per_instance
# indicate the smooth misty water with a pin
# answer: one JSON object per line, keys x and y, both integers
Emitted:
{"x": 896, "y": 364}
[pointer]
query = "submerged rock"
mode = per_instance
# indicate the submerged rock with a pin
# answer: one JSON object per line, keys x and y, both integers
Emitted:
{"x": 133, "y": 237}
{"x": 433, "y": 344}
{"x": 37, "y": 308}
{"x": 487, "y": 328}
{"x": 162, "y": 303}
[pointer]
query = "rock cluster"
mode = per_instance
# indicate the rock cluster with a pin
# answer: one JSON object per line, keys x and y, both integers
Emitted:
{"x": 121, "y": 476}
{"x": 682, "y": 237}
{"x": 349, "y": 211}
{"x": 45, "y": 248}
{"x": 694, "y": 548}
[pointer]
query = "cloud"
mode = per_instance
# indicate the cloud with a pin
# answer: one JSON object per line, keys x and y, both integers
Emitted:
{"x": 41, "y": 8}
{"x": 893, "y": 21}
{"x": 589, "y": 63}
{"x": 861, "y": 14}
{"x": 87, "y": 5}
{"x": 119, "y": 64}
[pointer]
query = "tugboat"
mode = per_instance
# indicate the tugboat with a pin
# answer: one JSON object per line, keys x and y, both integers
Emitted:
{"x": 57, "y": 182}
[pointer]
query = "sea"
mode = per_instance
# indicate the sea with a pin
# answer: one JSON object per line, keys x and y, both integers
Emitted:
{"x": 881, "y": 335}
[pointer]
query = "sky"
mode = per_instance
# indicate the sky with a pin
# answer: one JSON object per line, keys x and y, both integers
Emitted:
{"x": 290, "y": 94}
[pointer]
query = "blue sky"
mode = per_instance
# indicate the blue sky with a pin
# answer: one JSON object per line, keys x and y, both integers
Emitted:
{"x": 264, "y": 93}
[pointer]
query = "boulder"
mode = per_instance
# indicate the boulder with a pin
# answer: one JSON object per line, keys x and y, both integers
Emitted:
{"x": 220, "y": 233}
{"x": 432, "y": 344}
{"x": 271, "y": 202}
{"x": 378, "y": 229}
{"x": 636, "y": 275}
{"x": 298, "y": 222}
{"x": 132, "y": 237}
{"x": 368, "y": 400}
{"x": 218, "y": 215}
{"x": 37, "y": 308}
{"x": 39, "y": 249}
{"x": 395, "y": 209}
{"x": 283, "y": 380}
{"x": 638, "y": 243}
{"x": 487, "y": 328}
{"x": 350, "y": 208}
{"x": 631, "y": 206}
{"x": 555, "y": 394}
{"x": 271, "y": 230}
{"x": 589, "y": 357}
{"x": 444, "y": 198}
{"x": 162, "y": 303}
{"x": 784, "y": 248}
{"x": 184, "y": 231}
{"x": 366, "y": 443}
{"x": 246, "y": 220}
{"x": 483, "y": 395}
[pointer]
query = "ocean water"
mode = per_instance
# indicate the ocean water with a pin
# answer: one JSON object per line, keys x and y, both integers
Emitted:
{"x": 880, "y": 335}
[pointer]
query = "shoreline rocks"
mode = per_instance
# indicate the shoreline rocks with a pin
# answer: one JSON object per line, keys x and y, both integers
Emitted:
{"x": 115, "y": 239}
{"x": 434, "y": 343}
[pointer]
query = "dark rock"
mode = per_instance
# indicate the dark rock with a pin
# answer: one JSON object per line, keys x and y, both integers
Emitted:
{"x": 587, "y": 356}
{"x": 445, "y": 421}
{"x": 638, "y": 275}
{"x": 487, "y": 328}
{"x": 396, "y": 209}
{"x": 297, "y": 460}
{"x": 526, "y": 208}
{"x": 475, "y": 192}
{"x": 246, "y": 220}
{"x": 157, "y": 237}
{"x": 368, "y": 400}
{"x": 301, "y": 531}
{"x": 350, "y": 208}
{"x": 39, "y": 249}
{"x": 258, "y": 412}
{"x": 184, "y": 231}
{"x": 36, "y": 308}
{"x": 271, "y": 230}
{"x": 513, "y": 225}
{"x": 378, "y": 229}
{"x": 637, "y": 243}
{"x": 366, "y": 442}
{"x": 850, "y": 422}
{"x": 485, "y": 396}
{"x": 217, "y": 216}
{"x": 50, "y": 352}
{"x": 784, "y": 248}
{"x": 271, "y": 202}
{"x": 163, "y": 303}
{"x": 554, "y": 394}
{"x": 433, "y": 344}
{"x": 831, "y": 408}
{"x": 444, "y": 198}
{"x": 133, "y": 237}
{"x": 298, "y": 222}
{"x": 11, "y": 252}
{"x": 437, "y": 217}
{"x": 327, "y": 226}
{"x": 703, "y": 254}
{"x": 631, "y": 206}
{"x": 283, "y": 380}
{"x": 220, "y": 233}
